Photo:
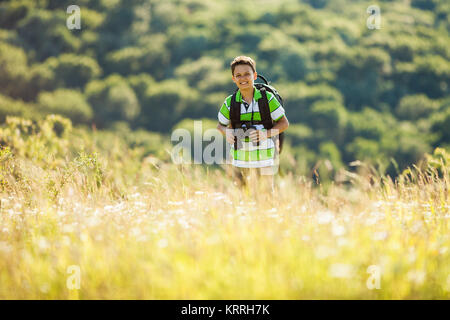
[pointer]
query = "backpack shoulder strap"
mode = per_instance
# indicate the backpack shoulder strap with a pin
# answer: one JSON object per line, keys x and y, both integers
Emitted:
{"x": 266, "y": 118}
{"x": 235, "y": 115}
{"x": 235, "y": 112}
{"x": 264, "y": 110}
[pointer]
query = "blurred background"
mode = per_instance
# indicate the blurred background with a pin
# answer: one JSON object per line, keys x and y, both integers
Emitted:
{"x": 140, "y": 68}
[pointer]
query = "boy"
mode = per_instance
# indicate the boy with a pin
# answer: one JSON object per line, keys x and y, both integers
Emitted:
{"x": 257, "y": 155}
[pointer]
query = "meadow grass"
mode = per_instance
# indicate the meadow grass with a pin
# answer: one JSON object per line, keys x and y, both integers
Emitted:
{"x": 186, "y": 232}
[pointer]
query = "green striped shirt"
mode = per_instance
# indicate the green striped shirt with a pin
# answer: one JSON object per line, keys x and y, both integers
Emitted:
{"x": 252, "y": 156}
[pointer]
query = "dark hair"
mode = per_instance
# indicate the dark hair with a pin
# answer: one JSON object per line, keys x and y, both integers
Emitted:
{"x": 242, "y": 60}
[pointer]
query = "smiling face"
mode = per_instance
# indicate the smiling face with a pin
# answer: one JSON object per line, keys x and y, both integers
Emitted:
{"x": 244, "y": 76}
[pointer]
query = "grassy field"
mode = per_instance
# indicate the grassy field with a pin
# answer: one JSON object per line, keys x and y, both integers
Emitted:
{"x": 183, "y": 232}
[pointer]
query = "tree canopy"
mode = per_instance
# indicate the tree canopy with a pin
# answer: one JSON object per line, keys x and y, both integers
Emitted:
{"x": 350, "y": 92}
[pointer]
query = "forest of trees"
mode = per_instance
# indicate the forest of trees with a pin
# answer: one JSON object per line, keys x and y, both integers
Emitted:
{"x": 351, "y": 93}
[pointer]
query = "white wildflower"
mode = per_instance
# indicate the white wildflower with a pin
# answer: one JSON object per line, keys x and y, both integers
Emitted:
{"x": 337, "y": 230}
{"x": 324, "y": 217}
{"x": 323, "y": 252}
{"x": 163, "y": 243}
{"x": 134, "y": 196}
{"x": 306, "y": 238}
{"x": 43, "y": 244}
{"x": 5, "y": 247}
{"x": 341, "y": 270}
{"x": 175, "y": 203}
{"x": 417, "y": 276}
{"x": 379, "y": 236}
{"x": 44, "y": 288}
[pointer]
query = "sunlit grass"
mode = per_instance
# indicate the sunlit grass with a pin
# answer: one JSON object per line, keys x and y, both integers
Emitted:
{"x": 183, "y": 232}
{"x": 187, "y": 235}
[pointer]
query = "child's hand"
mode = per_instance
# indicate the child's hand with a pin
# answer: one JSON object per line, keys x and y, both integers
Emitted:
{"x": 258, "y": 135}
{"x": 229, "y": 136}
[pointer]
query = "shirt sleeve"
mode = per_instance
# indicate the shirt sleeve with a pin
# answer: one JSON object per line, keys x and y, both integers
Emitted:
{"x": 224, "y": 114}
{"x": 276, "y": 109}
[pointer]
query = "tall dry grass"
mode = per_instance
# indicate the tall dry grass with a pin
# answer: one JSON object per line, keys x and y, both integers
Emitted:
{"x": 160, "y": 231}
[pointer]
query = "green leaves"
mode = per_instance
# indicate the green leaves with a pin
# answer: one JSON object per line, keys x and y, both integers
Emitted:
{"x": 112, "y": 99}
{"x": 69, "y": 103}
{"x": 415, "y": 107}
{"x": 150, "y": 64}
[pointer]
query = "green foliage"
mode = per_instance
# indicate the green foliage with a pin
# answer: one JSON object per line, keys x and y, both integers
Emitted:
{"x": 164, "y": 15}
{"x": 441, "y": 124}
{"x": 40, "y": 140}
{"x": 370, "y": 124}
{"x": 415, "y": 107}
{"x": 166, "y": 103}
{"x": 330, "y": 151}
{"x": 319, "y": 4}
{"x": 330, "y": 117}
{"x": 72, "y": 71}
{"x": 149, "y": 64}
{"x": 140, "y": 83}
{"x": 364, "y": 149}
{"x": 112, "y": 99}
{"x": 328, "y": 162}
{"x": 295, "y": 63}
{"x": 68, "y": 103}
{"x": 45, "y": 34}
{"x": 429, "y": 74}
{"x": 360, "y": 76}
{"x": 189, "y": 44}
{"x": 13, "y": 70}
{"x": 439, "y": 159}
{"x": 188, "y": 124}
{"x": 200, "y": 70}
{"x": 6, "y": 166}
{"x": 424, "y": 4}
{"x": 91, "y": 169}
{"x": 12, "y": 13}
{"x": 126, "y": 60}
{"x": 300, "y": 97}
{"x": 18, "y": 108}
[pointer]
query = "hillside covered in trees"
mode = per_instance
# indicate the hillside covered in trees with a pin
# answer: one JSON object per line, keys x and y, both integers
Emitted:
{"x": 144, "y": 66}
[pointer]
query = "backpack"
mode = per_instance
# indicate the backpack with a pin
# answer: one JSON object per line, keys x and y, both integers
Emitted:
{"x": 264, "y": 110}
